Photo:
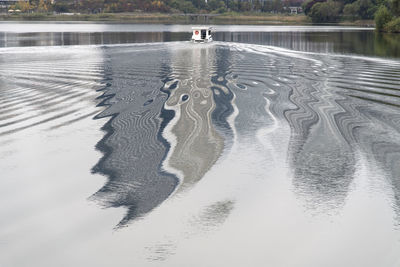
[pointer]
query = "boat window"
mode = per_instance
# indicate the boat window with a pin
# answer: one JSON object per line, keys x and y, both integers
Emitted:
{"x": 209, "y": 32}
{"x": 203, "y": 34}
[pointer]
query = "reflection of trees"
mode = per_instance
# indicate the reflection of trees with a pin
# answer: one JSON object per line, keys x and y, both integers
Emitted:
{"x": 133, "y": 147}
{"x": 348, "y": 42}
{"x": 346, "y": 112}
{"x": 364, "y": 43}
{"x": 87, "y": 38}
{"x": 321, "y": 157}
{"x": 387, "y": 44}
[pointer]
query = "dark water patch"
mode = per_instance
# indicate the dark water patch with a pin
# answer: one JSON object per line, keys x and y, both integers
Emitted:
{"x": 148, "y": 102}
{"x": 213, "y": 215}
{"x": 247, "y": 69}
{"x": 133, "y": 150}
{"x": 241, "y": 86}
{"x": 185, "y": 97}
{"x": 173, "y": 86}
{"x": 222, "y": 95}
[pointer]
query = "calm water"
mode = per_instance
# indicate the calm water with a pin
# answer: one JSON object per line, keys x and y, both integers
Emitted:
{"x": 329, "y": 39}
{"x": 272, "y": 146}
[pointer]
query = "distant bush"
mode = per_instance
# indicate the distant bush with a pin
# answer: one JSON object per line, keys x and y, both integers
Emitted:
{"x": 351, "y": 10}
{"x": 308, "y": 4}
{"x": 184, "y": 6}
{"x": 61, "y": 7}
{"x": 363, "y": 9}
{"x": 366, "y": 9}
{"x": 325, "y": 12}
{"x": 393, "y": 25}
{"x": 382, "y": 17}
{"x": 216, "y": 6}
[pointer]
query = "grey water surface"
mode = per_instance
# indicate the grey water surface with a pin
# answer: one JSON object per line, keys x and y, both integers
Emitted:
{"x": 127, "y": 145}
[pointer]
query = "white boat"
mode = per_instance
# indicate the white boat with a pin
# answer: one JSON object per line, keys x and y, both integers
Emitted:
{"x": 201, "y": 34}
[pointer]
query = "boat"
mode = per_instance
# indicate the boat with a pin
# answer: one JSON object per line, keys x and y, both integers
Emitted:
{"x": 201, "y": 34}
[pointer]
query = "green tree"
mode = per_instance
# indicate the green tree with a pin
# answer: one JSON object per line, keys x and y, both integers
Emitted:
{"x": 382, "y": 17}
{"x": 214, "y": 5}
{"x": 199, "y": 4}
{"x": 308, "y": 4}
{"x": 393, "y": 25}
{"x": 325, "y": 12}
{"x": 61, "y": 7}
{"x": 352, "y": 10}
{"x": 184, "y": 6}
{"x": 91, "y": 6}
{"x": 366, "y": 10}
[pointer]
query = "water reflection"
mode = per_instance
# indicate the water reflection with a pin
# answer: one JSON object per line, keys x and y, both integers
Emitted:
{"x": 168, "y": 109}
{"x": 344, "y": 42}
{"x": 133, "y": 145}
{"x": 329, "y": 120}
{"x": 197, "y": 145}
{"x": 324, "y": 100}
{"x": 78, "y": 38}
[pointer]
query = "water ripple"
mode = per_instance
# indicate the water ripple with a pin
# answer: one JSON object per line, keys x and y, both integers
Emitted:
{"x": 36, "y": 92}
{"x": 175, "y": 110}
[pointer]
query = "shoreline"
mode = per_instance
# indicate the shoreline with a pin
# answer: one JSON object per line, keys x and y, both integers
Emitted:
{"x": 164, "y": 18}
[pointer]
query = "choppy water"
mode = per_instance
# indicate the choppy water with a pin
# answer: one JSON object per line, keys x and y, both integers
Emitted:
{"x": 222, "y": 154}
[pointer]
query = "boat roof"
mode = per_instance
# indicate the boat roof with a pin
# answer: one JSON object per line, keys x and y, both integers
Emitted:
{"x": 201, "y": 28}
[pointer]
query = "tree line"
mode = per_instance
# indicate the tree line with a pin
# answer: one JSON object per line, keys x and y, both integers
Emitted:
{"x": 385, "y": 12}
{"x": 165, "y": 6}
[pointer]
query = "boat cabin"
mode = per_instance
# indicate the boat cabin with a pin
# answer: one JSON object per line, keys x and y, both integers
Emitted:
{"x": 201, "y": 34}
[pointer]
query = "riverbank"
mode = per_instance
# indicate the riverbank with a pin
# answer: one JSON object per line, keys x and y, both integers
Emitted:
{"x": 226, "y": 18}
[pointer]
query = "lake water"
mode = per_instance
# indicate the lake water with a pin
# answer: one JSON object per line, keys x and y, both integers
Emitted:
{"x": 328, "y": 39}
{"x": 127, "y": 145}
